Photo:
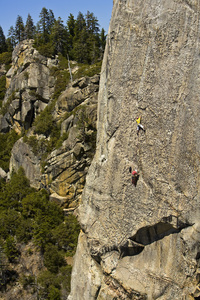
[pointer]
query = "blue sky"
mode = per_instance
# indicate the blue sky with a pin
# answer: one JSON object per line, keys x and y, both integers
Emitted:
{"x": 10, "y": 9}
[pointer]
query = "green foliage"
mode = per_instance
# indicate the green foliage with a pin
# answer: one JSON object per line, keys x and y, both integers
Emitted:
{"x": 45, "y": 221}
{"x": 27, "y": 214}
{"x": 53, "y": 258}
{"x": 7, "y": 141}
{"x": 9, "y": 221}
{"x": 87, "y": 70}
{"x": 46, "y": 49}
{"x": 10, "y": 249}
{"x": 6, "y": 58}
{"x": 65, "y": 277}
{"x": 62, "y": 76}
{"x": 66, "y": 235}
{"x": 47, "y": 281}
{"x": 29, "y": 28}
{"x": 5, "y": 107}
{"x": 3, "y": 46}
{"x": 19, "y": 29}
{"x": 2, "y": 87}
{"x": 44, "y": 123}
{"x": 54, "y": 293}
{"x": 26, "y": 281}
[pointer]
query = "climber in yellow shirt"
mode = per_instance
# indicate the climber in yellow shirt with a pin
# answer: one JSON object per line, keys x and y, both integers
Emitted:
{"x": 139, "y": 126}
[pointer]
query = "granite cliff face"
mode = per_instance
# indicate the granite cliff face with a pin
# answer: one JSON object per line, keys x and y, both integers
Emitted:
{"x": 31, "y": 84}
{"x": 143, "y": 242}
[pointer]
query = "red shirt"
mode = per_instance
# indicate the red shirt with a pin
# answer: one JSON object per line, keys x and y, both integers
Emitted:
{"x": 134, "y": 173}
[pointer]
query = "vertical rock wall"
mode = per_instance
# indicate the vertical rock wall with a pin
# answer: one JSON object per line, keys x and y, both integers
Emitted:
{"x": 143, "y": 242}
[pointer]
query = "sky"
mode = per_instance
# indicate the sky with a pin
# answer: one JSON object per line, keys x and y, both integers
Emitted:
{"x": 10, "y": 9}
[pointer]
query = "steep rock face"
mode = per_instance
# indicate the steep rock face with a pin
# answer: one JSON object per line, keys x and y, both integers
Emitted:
{"x": 66, "y": 167}
{"x": 23, "y": 156}
{"x": 29, "y": 86}
{"x": 143, "y": 242}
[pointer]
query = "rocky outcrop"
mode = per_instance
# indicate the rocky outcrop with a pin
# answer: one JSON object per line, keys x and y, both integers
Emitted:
{"x": 143, "y": 242}
{"x": 23, "y": 156}
{"x": 29, "y": 86}
{"x": 66, "y": 167}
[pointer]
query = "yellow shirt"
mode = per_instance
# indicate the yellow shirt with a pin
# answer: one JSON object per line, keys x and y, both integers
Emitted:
{"x": 138, "y": 121}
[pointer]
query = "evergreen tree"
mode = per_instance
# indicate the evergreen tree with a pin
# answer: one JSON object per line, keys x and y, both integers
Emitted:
{"x": 29, "y": 28}
{"x": 102, "y": 42}
{"x": 51, "y": 20}
{"x": 92, "y": 23}
{"x": 19, "y": 29}
{"x": 58, "y": 37}
{"x": 80, "y": 40}
{"x": 70, "y": 34}
{"x": 44, "y": 24}
{"x": 11, "y": 38}
{"x": 3, "y": 45}
{"x": 93, "y": 43}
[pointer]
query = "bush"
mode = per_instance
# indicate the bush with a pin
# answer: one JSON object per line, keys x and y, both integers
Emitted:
{"x": 53, "y": 259}
{"x": 87, "y": 70}
{"x": 54, "y": 293}
{"x": 6, "y": 58}
{"x": 47, "y": 280}
{"x": 11, "y": 250}
{"x": 45, "y": 49}
{"x": 66, "y": 235}
{"x": 26, "y": 281}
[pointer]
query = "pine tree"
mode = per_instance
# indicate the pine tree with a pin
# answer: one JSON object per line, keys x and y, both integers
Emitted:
{"x": 80, "y": 40}
{"x": 58, "y": 37}
{"x": 93, "y": 42}
{"x": 92, "y": 23}
{"x": 11, "y": 41}
{"x": 3, "y": 46}
{"x": 29, "y": 28}
{"x": 70, "y": 34}
{"x": 102, "y": 42}
{"x": 44, "y": 24}
{"x": 19, "y": 29}
{"x": 51, "y": 20}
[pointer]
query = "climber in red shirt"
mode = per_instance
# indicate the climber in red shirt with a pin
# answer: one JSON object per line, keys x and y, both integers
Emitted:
{"x": 135, "y": 177}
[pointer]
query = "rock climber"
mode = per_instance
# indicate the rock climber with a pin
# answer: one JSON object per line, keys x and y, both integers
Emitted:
{"x": 139, "y": 126}
{"x": 135, "y": 177}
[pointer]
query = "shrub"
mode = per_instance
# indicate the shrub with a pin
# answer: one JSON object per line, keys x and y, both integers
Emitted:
{"x": 54, "y": 293}
{"x": 66, "y": 235}
{"x": 47, "y": 280}
{"x": 53, "y": 259}
{"x": 11, "y": 250}
{"x": 6, "y": 58}
{"x": 26, "y": 281}
{"x": 87, "y": 70}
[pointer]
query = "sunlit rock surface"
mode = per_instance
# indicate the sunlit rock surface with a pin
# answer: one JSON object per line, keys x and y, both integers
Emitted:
{"x": 143, "y": 242}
